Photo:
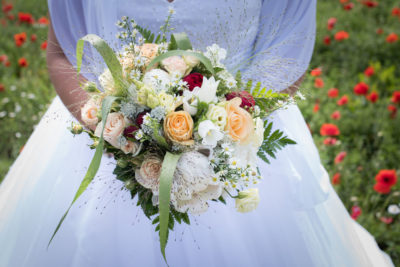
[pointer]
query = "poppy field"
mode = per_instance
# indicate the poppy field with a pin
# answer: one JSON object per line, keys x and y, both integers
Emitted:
{"x": 352, "y": 100}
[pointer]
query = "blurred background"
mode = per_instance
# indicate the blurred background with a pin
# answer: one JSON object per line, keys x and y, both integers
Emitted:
{"x": 352, "y": 95}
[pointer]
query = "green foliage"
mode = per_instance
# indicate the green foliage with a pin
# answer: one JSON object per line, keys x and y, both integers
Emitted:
{"x": 273, "y": 141}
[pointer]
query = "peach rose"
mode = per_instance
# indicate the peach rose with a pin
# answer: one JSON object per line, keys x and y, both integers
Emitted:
{"x": 149, "y": 51}
{"x": 114, "y": 127}
{"x": 131, "y": 147}
{"x": 239, "y": 124}
{"x": 149, "y": 173}
{"x": 175, "y": 65}
{"x": 178, "y": 127}
{"x": 89, "y": 112}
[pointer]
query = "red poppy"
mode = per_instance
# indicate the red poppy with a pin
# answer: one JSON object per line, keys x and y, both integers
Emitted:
{"x": 43, "y": 21}
{"x": 369, "y": 3}
{"x": 333, "y": 93}
{"x": 336, "y": 179}
{"x": 341, "y": 35}
{"x": 327, "y": 40}
{"x": 391, "y": 38}
{"x": 355, "y": 212}
{"x": 348, "y": 6}
{"x": 344, "y": 1}
{"x": 369, "y": 71}
{"x": 396, "y": 97}
{"x": 393, "y": 111}
{"x": 10, "y": 17}
{"x": 396, "y": 11}
{"x": 316, "y": 108}
{"x": 382, "y": 188}
{"x": 43, "y": 46}
{"x": 316, "y": 72}
{"x": 343, "y": 100}
{"x": 330, "y": 141}
{"x": 331, "y": 23}
{"x": 33, "y": 37}
{"x": 319, "y": 83}
{"x": 386, "y": 220}
{"x": 329, "y": 129}
{"x": 7, "y": 8}
{"x": 20, "y": 38}
{"x": 2, "y": 88}
{"x": 25, "y": 18}
{"x": 361, "y": 88}
{"x": 7, "y": 63}
{"x": 387, "y": 177}
{"x": 336, "y": 115}
{"x": 373, "y": 97}
{"x": 3, "y": 58}
{"x": 22, "y": 62}
{"x": 340, "y": 157}
{"x": 379, "y": 31}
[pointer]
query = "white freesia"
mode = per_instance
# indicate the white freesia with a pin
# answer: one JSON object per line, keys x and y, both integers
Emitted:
{"x": 247, "y": 200}
{"x": 190, "y": 101}
{"x": 210, "y": 133}
{"x": 218, "y": 115}
{"x": 208, "y": 91}
{"x": 158, "y": 79}
{"x": 216, "y": 54}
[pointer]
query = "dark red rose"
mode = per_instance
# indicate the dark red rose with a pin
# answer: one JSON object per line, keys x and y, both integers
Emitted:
{"x": 247, "y": 99}
{"x": 139, "y": 118}
{"x": 193, "y": 80}
{"x": 130, "y": 130}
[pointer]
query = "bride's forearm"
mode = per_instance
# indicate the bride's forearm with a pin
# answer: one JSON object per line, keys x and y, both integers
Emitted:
{"x": 64, "y": 78}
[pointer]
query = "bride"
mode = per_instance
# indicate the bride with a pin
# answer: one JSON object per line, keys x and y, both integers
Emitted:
{"x": 300, "y": 220}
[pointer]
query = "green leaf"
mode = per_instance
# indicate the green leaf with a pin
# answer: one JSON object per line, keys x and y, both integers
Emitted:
{"x": 106, "y": 53}
{"x": 166, "y": 176}
{"x": 206, "y": 62}
{"x": 180, "y": 41}
{"x": 94, "y": 164}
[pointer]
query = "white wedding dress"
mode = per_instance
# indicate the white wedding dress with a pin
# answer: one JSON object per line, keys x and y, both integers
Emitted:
{"x": 300, "y": 220}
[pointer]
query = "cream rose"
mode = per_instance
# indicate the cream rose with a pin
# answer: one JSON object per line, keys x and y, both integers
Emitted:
{"x": 167, "y": 101}
{"x": 149, "y": 173}
{"x": 131, "y": 147}
{"x": 239, "y": 124}
{"x": 175, "y": 64}
{"x": 217, "y": 115}
{"x": 247, "y": 200}
{"x": 178, "y": 127}
{"x": 89, "y": 112}
{"x": 149, "y": 51}
{"x": 114, "y": 127}
{"x": 191, "y": 61}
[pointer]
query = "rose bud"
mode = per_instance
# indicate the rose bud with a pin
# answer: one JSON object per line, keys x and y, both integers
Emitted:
{"x": 76, "y": 128}
{"x": 193, "y": 80}
{"x": 247, "y": 99}
{"x": 122, "y": 163}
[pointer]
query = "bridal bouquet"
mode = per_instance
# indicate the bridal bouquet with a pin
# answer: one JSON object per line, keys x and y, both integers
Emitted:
{"x": 183, "y": 130}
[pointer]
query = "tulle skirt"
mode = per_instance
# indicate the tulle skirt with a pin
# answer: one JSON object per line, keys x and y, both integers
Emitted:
{"x": 300, "y": 220}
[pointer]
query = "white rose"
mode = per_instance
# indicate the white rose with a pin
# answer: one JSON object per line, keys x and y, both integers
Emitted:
{"x": 248, "y": 200}
{"x": 107, "y": 81}
{"x": 113, "y": 128}
{"x": 191, "y": 61}
{"x": 89, "y": 112}
{"x": 218, "y": 115}
{"x": 258, "y": 136}
{"x": 149, "y": 173}
{"x": 175, "y": 64}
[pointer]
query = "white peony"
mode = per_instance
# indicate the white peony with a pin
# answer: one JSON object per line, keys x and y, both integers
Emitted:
{"x": 210, "y": 133}
{"x": 218, "y": 115}
{"x": 247, "y": 200}
{"x": 158, "y": 79}
{"x": 208, "y": 91}
{"x": 193, "y": 183}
